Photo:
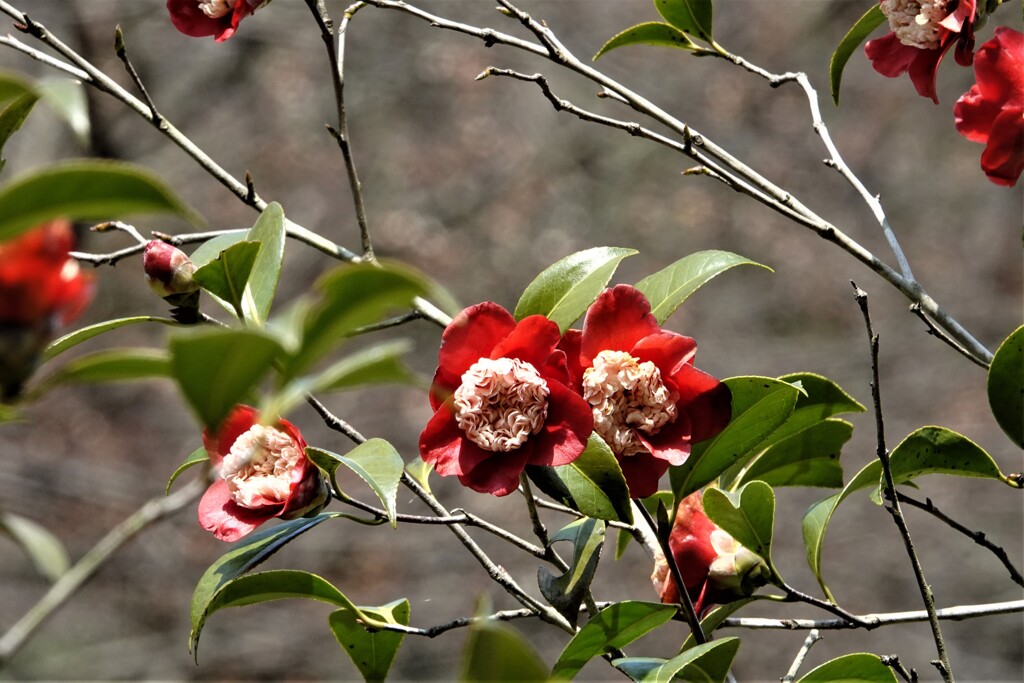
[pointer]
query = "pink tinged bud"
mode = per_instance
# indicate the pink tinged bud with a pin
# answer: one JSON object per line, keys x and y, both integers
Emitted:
{"x": 168, "y": 269}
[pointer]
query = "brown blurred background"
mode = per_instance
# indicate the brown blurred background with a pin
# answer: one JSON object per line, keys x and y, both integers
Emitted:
{"x": 482, "y": 185}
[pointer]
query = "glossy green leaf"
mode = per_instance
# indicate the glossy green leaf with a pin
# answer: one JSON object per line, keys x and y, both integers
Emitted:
{"x": 565, "y": 290}
{"x": 612, "y": 628}
{"x": 650, "y": 33}
{"x": 268, "y": 231}
{"x": 112, "y": 365}
{"x": 375, "y": 461}
{"x": 719, "y": 614}
{"x": 226, "y": 276}
{"x": 13, "y": 86}
{"x": 692, "y": 16}
{"x": 43, "y": 548}
{"x": 592, "y": 484}
{"x": 1006, "y": 386}
{"x": 352, "y": 296}
{"x": 75, "y": 338}
{"x": 82, "y": 190}
{"x": 67, "y": 99}
{"x": 420, "y": 471}
{"x": 242, "y": 558}
{"x": 871, "y": 20}
{"x": 861, "y": 667}
{"x": 748, "y": 515}
{"x": 670, "y": 287}
{"x": 217, "y": 368}
{"x": 373, "y": 652}
{"x": 807, "y": 458}
{"x": 13, "y": 116}
{"x": 566, "y": 592}
{"x": 708, "y": 663}
{"x": 211, "y": 248}
{"x": 280, "y": 584}
{"x": 197, "y": 457}
{"x": 759, "y": 406}
{"x": 495, "y": 652}
{"x": 820, "y": 399}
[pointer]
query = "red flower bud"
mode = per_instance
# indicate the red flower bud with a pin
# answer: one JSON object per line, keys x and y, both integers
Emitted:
{"x": 168, "y": 269}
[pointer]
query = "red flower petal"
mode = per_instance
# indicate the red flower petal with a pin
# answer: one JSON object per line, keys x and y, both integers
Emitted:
{"x": 707, "y": 401}
{"x": 498, "y": 474}
{"x": 974, "y": 116}
{"x": 892, "y": 58}
{"x": 1003, "y": 158}
{"x": 532, "y": 340}
{"x": 667, "y": 350}
{"x": 570, "y": 344}
{"x": 642, "y": 472}
{"x": 228, "y": 521}
{"x": 672, "y": 442}
{"x": 469, "y": 337}
{"x": 568, "y": 426}
{"x": 441, "y": 443}
{"x": 619, "y": 319}
{"x": 238, "y": 422}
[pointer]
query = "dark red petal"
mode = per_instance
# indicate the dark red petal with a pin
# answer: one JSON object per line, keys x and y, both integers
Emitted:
{"x": 566, "y": 430}
{"x": 532, "y": 340}
{"x": 192, "y": 21}
{"x": 440, "y": 442}
{"x": 469, "y": 337}
{"x": 925, "y": 67}
{"x": 229, "y": 521}
{"x": 974, "y": 115}
{"x": 672, "y": 442}
{"x": 889, "y": 56}
{"x": 556, "y": 368}
{"x": 667, "y": 350}
{"x": 1003, "y": 158}
{"x": 570, "y": 344}
{"x": 999, "y": 68}
{"x": 499, "y": 474}
{"x": 619, "y": 318}
{"x": 238, "y": 422}
{"x": 707, "y": 401}
{"x": 642, "y": 472}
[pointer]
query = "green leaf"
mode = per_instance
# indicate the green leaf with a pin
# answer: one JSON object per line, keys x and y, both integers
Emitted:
{"x": 280, "y": 584}
{"x": 352, "y": 296}
{"x": 226, "y": 276}
{"x": 197, "y": 457}
{"x": 75, "y": 338}
{"x": 820, "y": 399}
{"x": 709, "y": 663}
{"x": 211, "y": 248}
{"x": 217, "y": 368}
{"x": 82, "y": 190}
{"x": 66, "y": 98}
{"x": 592, "y": 484}
{"x": 12, "y": 116}
{"x": 650, "y": 33}
{"x": 495, "y": 652}
{"x": 13, "y": 86}
{"x": 748, "y": 515}
{"x": 612, "y": 628}
{"x": 1006, "y": 386}
{"x": 759, "y": 406}
{"x": 871, "y": 20}
{"x": 565, "y": 593}
{"x": 242, "y": 558}
{"x": 718, "y": 615}
{"x": 565, "y": 290}
{"x": 268, "y": 231}
{"x": 112, "y": 365}
{"x": 670, "y": 287}
{"x": 861, "y": 667}
{"x": 42, "y": 547}
{"x": 692, "y": 16}
{"x": 420, "y": 471}
{"x": 372, "y": 652}
{"x": 807, "y": 458}
{"x": 375, "y": 461}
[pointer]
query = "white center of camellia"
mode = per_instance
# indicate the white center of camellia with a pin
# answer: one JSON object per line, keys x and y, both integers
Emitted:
{"x": 258, "y": 470}
{"x": 916, "y": 22}
{"x": 501, "y": 403}
{"x": 627, "y": 395}
{"x": 215, "y": 9}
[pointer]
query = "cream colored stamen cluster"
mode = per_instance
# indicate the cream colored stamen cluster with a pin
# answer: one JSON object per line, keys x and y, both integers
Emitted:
{"x": 916, "y": 22}
{"x": 215, "y": 9}
{"x": 259, "y": 467}
{"x": 501, "y": 403}
{"x": 627, "y": 395}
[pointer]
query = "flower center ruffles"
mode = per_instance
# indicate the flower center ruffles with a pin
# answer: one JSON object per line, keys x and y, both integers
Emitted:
{"x": 916, "y": 22}
{"x": 215, "y": 9}
{"x": 258, "y": 470}
{"x": 501, "y": 403}
{"x": 627, "y": 395}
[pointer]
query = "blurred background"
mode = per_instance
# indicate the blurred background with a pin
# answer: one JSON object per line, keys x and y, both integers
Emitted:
{"x": 482, "y": 185}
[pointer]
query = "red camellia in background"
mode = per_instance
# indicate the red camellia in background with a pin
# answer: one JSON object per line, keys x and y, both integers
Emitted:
{"x": 921, "y": 34}
{"x": 501, "y": 401}
{"x": 218, "y": 18}
{"x": 263, "y": 473}
{"x": 648, "y": 401}
{"x": 992, "y": 111}
{"x": 715, "y": 568}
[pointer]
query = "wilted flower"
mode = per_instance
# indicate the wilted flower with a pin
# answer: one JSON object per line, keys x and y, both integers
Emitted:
{"x": 715, "y": 568}
{"x": 263, "y": 473}
{"x": 501, "y": 401}
{"x": 992, "y": 111}
{"x": 218, "y": 18}
{"x": 648, "y": 401}
{"x": 922, "y": 31}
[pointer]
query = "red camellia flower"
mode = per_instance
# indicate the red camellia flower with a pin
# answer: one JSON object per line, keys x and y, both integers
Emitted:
{"x": 648, "y": 401}
{"x": 218, "y": 18}
{"x": 715, "y": 568}
{"x": 501, "y": 401}
{"x": 264, "y": 473}
{"x": 992, "y": 111}
{"x": 922, "y": 31}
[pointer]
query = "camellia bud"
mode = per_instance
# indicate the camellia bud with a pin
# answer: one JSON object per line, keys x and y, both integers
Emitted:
{"x": 168, "y": 269}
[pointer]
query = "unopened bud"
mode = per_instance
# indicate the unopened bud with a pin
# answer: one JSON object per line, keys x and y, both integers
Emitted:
{"x": 168, "y": 270}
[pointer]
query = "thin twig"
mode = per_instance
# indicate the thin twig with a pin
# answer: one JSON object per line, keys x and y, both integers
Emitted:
{"x": 122, "y": 54}
{"x": 937, "y": 332}
{"x": 812, "y": 637}
{"x": 958, "y": 613}
{"x": 894, "y": 663}
{"x": 942, "y": 663}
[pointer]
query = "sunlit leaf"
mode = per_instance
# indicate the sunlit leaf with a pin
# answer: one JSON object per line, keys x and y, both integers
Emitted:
{"x": 861, "y": 667}
{"x": 372, "y": 652}
{"x": 375, "y": 461}
{"x": 693, "y": 16}
{"x": 592, "y": 484}
{"x": 269, "y": 231}
{"x": 871, "y": 20}
{"x": 226, "y": 277}
{"x": 748, "y": 515}
{"x": 197, "y": 457}
{"x": 1006, "y": 386}
{"x": 650, "y": 33}
{"x": 72, "y": 339}
{"x": 709, "y": 663}
{"x": 13, "y": 116}
{"x": 39, "y": 543}
{"x": 807, "y": 458}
